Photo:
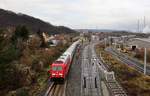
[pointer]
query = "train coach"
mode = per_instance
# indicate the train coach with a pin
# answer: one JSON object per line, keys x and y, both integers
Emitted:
{"x": 59, "y": 69}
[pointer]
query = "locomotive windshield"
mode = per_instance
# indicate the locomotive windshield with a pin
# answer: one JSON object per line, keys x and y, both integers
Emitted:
{"x": 57, "y": 68}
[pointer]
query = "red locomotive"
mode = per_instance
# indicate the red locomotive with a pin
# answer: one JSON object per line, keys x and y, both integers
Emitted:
{"x": 59, "y": 69}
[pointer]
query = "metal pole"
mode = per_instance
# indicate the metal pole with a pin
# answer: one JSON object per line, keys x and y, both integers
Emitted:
{"x": 144, "y": 23}
{"x": 138, "y": 26}
{"x": 105, "y": 42}
{"x": 123, "y": 43}
{"x": 109, "y": 41}
{"x": 100, "y": 55}
{"x": 145, "y": 54}
{"x": 119, "y": 48}
{"x": 115, "y": 44}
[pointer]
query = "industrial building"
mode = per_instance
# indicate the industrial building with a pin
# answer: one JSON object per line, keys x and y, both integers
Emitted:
{"x": 139, "y": 43}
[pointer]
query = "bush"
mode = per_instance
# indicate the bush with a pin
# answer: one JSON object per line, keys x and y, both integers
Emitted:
{"x": 8, "y": 54}
{"x": 135, "y": 83}
{"x": 22, "y": 92}
{"x": 20, "y": 32}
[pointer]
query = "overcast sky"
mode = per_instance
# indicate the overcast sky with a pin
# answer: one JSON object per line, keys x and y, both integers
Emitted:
{"x": 102, "y": 14}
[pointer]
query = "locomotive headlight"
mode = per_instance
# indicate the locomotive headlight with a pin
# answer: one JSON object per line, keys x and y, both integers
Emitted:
{"x": 60, "y": 74}
{"x": 53, "y": 74}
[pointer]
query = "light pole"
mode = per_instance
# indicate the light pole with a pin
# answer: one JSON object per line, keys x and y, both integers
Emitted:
{"x": 145, "y": 60}
{"x": 105, "y": 42}
{"x": 115, "y": 44}
{"x": 123, "y": 42}
{"x": 119, "y": 48}
{"x": 109, "y": 41}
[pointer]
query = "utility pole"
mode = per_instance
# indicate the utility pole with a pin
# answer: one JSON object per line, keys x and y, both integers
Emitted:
{"x": 138, "y": 26}
{"x": 100, "y": 55}
{"x": 144, "y": 22}
{"x": 145, "y": 60}
{"x": 115, "y": 44}
{"x": 123, "y": 42}
{"x": 110, "y": 41}
{"x": 119, "y": 48}
{"x": 105, "y": 42}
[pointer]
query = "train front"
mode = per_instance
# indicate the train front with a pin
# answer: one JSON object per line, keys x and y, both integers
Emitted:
{"x": 57, "y": 71}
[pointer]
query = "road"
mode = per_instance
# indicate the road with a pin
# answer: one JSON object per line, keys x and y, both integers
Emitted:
{"x": 129, "y": 61}
{"x": 90, "y": 77}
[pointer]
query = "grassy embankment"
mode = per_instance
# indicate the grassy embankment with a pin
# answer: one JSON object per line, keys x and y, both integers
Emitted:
{"x": 135, "y": 83}
{"x": 138, "y": 54}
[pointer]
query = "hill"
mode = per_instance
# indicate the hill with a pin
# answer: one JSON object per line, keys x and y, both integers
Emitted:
{"x": 9, "y": 18}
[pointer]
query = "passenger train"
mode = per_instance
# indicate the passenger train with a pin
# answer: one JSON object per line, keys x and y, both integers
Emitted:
{"x": 59, "y": 68}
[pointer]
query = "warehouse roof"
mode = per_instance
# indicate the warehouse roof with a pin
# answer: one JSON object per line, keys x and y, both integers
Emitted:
{"x": 140, "y": 42}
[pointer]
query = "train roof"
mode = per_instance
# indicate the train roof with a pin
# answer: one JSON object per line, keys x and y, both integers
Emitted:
{"x": 71, "y": 48}
{"x": 67, "y": 53}
{"x": 62, "y": 59}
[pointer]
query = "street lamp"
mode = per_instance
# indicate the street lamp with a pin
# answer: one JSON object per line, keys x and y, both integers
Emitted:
{"x": 115, "y": 44}
{"x": 145, "y": 61}
{"x": 105, "y": 42}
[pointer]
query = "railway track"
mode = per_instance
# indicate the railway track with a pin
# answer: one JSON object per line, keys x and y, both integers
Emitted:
{"x": 128, "y": 61}
{"x": 56, "y": 89}
{"x": 89, "y": 76}
{"x": 113, "y": 86}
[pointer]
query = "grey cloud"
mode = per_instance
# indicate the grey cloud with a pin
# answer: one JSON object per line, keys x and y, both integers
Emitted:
{"x": 111, "y": 14}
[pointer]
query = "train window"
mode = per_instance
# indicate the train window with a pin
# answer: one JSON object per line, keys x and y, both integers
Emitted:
{"x": 54, "y": 68}
{"x": 57, "y": 68}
